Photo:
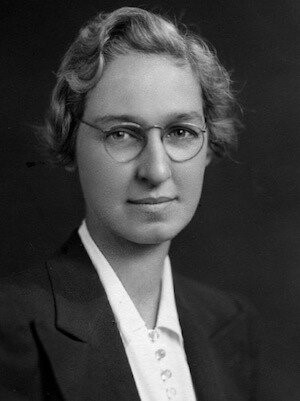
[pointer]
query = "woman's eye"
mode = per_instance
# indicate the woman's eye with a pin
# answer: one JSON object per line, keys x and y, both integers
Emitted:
{"x": 181, "y": 133}
{"x": 120, "y": 135}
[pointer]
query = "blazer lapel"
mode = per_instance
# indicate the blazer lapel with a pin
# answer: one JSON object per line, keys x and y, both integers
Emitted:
{"x": 84, "y": 347}
{"x": 200, "y": 356}
{"x": 202, "y": 347}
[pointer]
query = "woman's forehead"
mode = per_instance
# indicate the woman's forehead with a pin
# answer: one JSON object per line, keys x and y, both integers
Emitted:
{"x": 145, "y": 85}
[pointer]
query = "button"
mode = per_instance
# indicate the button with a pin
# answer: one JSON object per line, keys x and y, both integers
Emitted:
{"x": 165, "y": 374}
{"x": 153, "y": 334}
{"x": 171, "y": 393}
{"x": 160, "y": 353}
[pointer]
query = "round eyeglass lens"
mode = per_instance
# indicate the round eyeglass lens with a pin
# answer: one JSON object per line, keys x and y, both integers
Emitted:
{"x": 181, "y": 148}
{"x": 123, "y": 146}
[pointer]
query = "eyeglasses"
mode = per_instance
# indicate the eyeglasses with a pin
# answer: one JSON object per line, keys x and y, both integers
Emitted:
{"x": 126, "y": 141}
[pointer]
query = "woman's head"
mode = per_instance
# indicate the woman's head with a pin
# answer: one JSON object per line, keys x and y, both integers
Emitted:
{"x": 121, "y": 32}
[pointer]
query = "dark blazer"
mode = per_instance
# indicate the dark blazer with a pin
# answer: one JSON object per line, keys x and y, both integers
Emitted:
{"x": 59, "y": 340}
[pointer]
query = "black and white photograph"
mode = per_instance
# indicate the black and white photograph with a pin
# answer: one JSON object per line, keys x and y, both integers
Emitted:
{"x": 149, "y": 200}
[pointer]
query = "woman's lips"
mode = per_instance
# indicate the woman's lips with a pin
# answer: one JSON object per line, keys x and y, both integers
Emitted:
{"x": 151, "y": 200}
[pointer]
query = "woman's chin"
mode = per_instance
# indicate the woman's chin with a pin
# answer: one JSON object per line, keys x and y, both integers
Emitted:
{"x": 152, "y": 236}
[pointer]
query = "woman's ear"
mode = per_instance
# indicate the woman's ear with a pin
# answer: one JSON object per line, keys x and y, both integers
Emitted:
{"x": 70, "y": 168}
{"x": 209, "y": 155}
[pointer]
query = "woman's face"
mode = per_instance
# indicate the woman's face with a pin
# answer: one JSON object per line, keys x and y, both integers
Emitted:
{"x": 147, "y": 90}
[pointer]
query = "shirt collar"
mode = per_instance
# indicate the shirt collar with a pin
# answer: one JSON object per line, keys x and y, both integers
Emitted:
{"x": 127, "y": 317}
{"x": 167, "y": 313}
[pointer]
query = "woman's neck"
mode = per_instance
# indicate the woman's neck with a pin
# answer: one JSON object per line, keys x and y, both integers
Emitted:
{"x": 139, "y": 267}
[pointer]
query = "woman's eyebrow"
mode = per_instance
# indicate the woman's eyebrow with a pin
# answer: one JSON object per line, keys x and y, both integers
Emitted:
{"x": 188, "y": 116}
{"x": 110, "y": 118}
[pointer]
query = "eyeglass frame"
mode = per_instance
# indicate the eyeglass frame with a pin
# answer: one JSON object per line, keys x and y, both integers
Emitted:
{"x": 144, "y": 130}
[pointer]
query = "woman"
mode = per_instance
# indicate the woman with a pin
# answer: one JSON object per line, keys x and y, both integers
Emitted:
{"x": 140, "y": 108}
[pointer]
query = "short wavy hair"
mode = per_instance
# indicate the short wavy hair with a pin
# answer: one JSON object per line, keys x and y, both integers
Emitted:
{"x": 122, "y": 31}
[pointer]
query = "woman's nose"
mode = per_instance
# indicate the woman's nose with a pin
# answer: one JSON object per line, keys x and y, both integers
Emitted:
{"x": 154, "y": 163}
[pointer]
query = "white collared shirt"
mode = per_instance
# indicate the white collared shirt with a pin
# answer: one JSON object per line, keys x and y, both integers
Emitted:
{"x": 156, "y": 357}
